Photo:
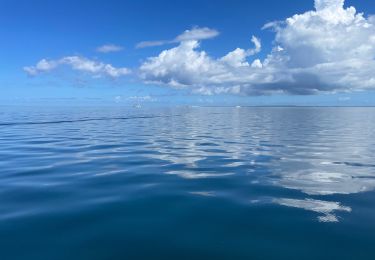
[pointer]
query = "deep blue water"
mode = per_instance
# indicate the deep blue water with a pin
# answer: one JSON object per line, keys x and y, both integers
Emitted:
{"x": 187, "y": 183}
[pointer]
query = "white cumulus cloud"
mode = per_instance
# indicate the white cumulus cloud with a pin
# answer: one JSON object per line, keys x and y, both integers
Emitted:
{"x": 329, "y": 49}
{"x": 77, "y": 63}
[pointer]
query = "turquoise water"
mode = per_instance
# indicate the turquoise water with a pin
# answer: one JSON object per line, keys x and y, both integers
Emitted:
{"x": 187, "y": 183}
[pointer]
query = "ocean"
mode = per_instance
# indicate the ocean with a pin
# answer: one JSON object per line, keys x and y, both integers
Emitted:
{"x": 187, "y": 183}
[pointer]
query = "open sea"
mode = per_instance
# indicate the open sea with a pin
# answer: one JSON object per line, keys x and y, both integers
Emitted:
{"x": 187, "y": 183}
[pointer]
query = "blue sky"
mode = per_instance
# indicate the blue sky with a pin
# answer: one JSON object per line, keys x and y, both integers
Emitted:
{"x": 56, "y": 31}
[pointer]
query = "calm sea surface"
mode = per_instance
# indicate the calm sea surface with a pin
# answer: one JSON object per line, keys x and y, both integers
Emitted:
{"x": 187, "y": 183}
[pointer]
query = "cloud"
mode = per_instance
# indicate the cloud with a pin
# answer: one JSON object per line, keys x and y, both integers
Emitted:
{"x": 329, "y": 49}
{"x": 237, "y": 58}
{"x": 77, "y": 63}
{"x": 195, "y": 33}
{"x": 109, "y": 48}
{"x": 146, "y": 44}
{"x": 184, "y": 66}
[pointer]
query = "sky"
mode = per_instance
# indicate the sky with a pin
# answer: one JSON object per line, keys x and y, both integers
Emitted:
{"x": 175, "y": 52}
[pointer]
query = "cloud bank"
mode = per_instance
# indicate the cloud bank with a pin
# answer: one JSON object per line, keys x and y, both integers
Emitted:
{"x": 329, "y": 49}
{"x": 94, "y": 68}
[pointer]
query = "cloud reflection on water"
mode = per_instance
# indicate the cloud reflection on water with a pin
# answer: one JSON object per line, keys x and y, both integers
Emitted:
{"x": 294, "y": 157}
{"x": 295, "y": 149}
{"x": 325, "y": 208}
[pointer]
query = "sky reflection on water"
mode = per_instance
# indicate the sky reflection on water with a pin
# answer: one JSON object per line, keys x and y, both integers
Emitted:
{"x": 307, "y": 163}
{"x": 319, "y": 152}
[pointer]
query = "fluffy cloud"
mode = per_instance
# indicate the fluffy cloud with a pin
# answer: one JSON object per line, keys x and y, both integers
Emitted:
{"x": 196, "y": 33}
{"x": 237, "y": 58}
{"x": 184, "y": 66}
{"x": 95, "y": 68}
{"x": 109, "y": 48}
{"x": 329, "y": 49}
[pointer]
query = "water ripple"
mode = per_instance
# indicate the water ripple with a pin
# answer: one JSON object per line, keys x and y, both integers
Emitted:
{"x": 299, "y": 157}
